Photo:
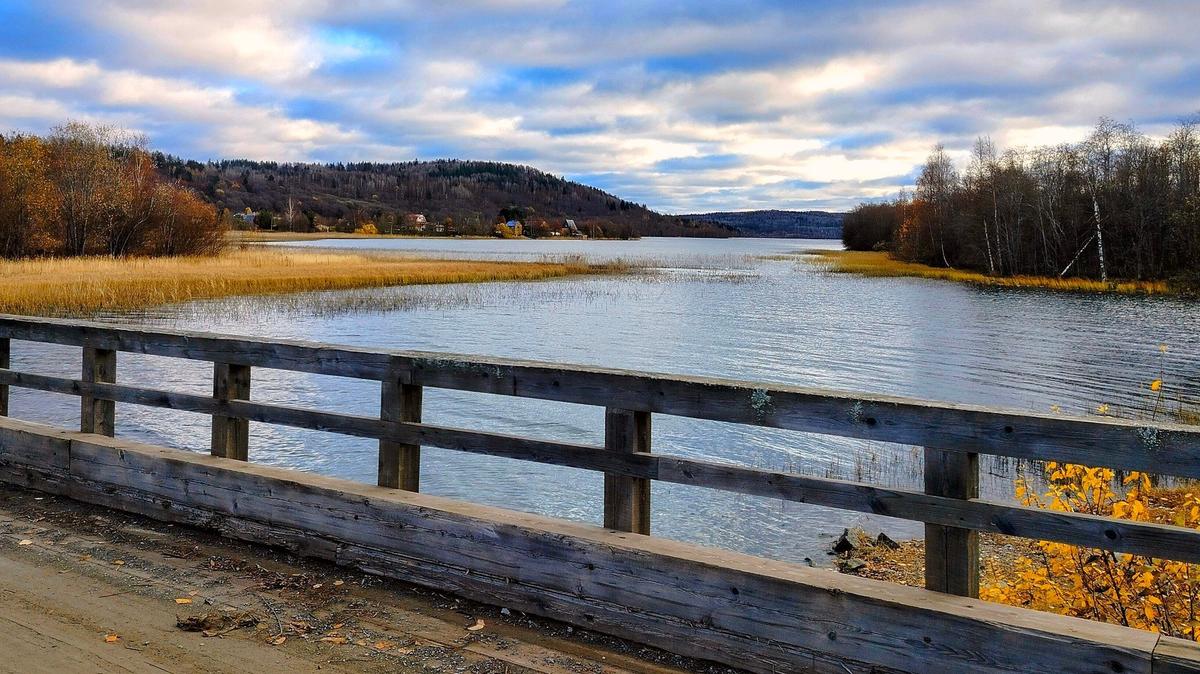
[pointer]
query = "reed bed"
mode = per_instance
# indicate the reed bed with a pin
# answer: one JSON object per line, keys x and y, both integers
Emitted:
{"x": 241, "y": 236}
{"x": 82, "y": 286}
{"x": 872, "y": 263}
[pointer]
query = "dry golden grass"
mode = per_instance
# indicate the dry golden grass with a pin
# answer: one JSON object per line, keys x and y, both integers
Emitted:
{"x": 239, "y": 236}
{"x": 75, "y": 286}
{"x": 871, "y": 263}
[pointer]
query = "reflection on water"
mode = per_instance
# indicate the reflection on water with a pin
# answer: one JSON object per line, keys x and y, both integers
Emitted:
{"x": 717, "y": 308}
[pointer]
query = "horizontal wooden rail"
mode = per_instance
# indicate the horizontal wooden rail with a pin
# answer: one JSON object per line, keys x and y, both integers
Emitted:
{"x": 755, "y": 614}
{"x": 1125, "y": 536}
{"x": 1153, "y": 447}
{"x": 953, "y": 435}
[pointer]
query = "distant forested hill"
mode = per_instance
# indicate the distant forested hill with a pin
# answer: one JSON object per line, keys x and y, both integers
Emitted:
{"x": 470, "y": 194}
{"x": 785, "y": 224}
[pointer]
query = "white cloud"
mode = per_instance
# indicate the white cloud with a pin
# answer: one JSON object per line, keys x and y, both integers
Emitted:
{"x": 251, "y": 38}
{"x": 798, "y": 105}
{"x": 228, "y": 128}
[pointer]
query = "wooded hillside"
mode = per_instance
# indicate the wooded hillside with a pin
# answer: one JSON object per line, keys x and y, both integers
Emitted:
{"x": 468, "y": 195}
{"x": 782, "y": 224}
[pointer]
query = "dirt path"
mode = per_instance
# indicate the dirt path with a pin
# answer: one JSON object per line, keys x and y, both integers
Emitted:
{"x": 84, "y": 589}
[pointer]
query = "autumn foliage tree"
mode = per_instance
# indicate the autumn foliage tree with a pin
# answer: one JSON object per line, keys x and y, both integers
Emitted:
{"x": 91, "y": 190}
{"x": 1116, "y": 205}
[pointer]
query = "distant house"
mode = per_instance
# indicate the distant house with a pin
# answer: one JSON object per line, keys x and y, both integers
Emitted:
{"x": 246, "y": 217}
{"x": 415, "y": 222}
{"x": 510, "y": 229}
{"x": 569, "y": 228}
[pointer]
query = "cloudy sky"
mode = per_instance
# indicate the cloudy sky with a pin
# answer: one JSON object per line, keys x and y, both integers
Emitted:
{"x": 685, "y": 106}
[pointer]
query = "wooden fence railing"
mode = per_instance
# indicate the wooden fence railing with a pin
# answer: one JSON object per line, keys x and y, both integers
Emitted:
{"x": 953, "y": 435}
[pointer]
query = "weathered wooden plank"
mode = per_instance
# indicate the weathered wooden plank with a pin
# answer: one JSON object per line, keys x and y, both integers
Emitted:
{"x": 1141, "y": 538}
{"x": 696, "y": 601}
{"x": 1176, "y": 656}
{"x": 281, "y": 354}
{"x": 1160, "y": 448}
{"x": 626, "y": 499}
{"x": 98, "y": 415}
{"x": 35, "y": 445}
{"x": 5, "y": 363}
{"x": 399, "y": 463}
{"x": 34, "y": 456}
{"x": 230, "y": 434}
{"x": 952, "y": 553}
{"x": 1169, "y": 449}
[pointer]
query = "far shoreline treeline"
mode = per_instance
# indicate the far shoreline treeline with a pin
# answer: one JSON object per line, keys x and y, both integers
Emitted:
{"x": 1118, "y": 205}
{"x": 87, "y": 189}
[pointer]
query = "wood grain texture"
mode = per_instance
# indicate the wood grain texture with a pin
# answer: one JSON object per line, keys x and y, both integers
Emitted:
{"x": 1143, "y": 538}
{"x": 5, "y": 362}
{"x": 1176, "y": 656}
{"x": 399, "y": 463}
{"x": 754, "y": 613}
{"x": 626, "y": 499}
{"x": 1154, "y": 447}
{"x": 952, "y": 553}
{"x": 230, "y": 434}
{"x": 98, "y": 415}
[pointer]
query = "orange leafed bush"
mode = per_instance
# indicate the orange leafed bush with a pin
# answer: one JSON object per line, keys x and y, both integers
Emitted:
{"x": 89, "y": 190}
{"x": 1152, "y": 594}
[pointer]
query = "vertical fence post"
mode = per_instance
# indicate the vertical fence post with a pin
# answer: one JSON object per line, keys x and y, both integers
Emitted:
{"x": 95, "y": 415}
{"x": 399, "y": 463}
{"x": 231, "y": 435}
{"x": 626, "y": 499}
{"x": 5, "y": 363}
{"x": 951, "y": 553}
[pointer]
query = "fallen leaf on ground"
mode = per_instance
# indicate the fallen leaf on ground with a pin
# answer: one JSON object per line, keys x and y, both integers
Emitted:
{"x": 183, "y": 600}
{"x": 111, "y": 639}
{"x": 119, "y": 562}
{"x": 317, "y": 586}
{"x": 278, "y": 641}
{"x": 334, "y": 640}
{"x": 26, "y": 542}
{"x": 338, "y": 583}
{"x": 384, "y": 645}
{"x": 215, "y": 624}
{"x": 477, "y": 626}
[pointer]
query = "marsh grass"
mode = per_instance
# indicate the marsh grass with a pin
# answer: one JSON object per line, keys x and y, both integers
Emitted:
{"x": 240, "y": 236}
{"x": 82, "y": 286}
{"x": 872, "y": 263}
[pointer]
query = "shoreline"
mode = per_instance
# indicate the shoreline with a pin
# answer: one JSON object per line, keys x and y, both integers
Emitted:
{"x": 89, "y": 285}
{"x": 881, "y": 264}
{"x": 238, "y": 237}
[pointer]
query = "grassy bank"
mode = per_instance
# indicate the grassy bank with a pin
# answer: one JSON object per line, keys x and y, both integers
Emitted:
{"x": 77, "y": 286}
{"x": 871, "y": 263}
{"x": 237, "y": 236}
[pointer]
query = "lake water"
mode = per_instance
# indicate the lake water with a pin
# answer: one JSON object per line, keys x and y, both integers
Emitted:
{"x": 729, "y": 308}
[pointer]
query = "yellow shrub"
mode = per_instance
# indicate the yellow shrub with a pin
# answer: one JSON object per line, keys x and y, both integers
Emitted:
{"x": 1152, "y": 594}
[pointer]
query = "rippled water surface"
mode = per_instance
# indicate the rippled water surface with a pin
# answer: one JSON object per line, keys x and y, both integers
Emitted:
{"x": 729, "y": 308}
